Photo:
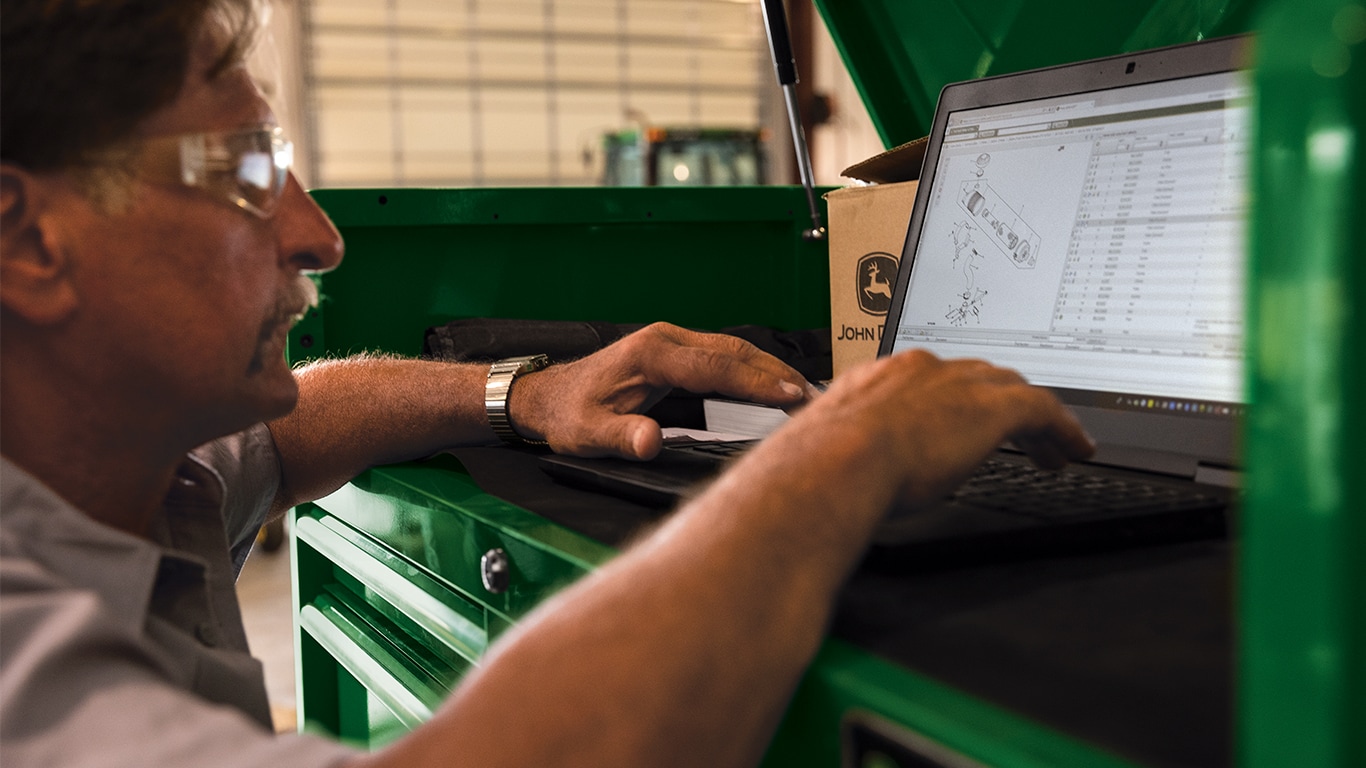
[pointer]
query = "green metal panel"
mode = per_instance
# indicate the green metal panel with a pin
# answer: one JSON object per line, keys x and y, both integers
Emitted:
{"x": 390, "y": 608}
{"x": 702, "y": 258}
{"x": 902, "y": 53}
{"x": 383, "y": 672}
{"x": 452, "y": 627}
{"x": 1303, "y": 599}
{"x": 844, "y": 680}
{"x": 435, "y": 517}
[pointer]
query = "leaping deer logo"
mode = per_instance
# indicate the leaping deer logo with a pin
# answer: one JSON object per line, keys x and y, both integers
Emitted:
{"x": 873, "y": 281}
{"x": 876, "y": 287}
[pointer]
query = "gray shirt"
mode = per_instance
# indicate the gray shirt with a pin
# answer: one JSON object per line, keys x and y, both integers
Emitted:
{"x": 116, "y": 650}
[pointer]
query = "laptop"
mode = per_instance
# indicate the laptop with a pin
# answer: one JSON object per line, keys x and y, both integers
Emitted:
{"x": 1084, "y": 225}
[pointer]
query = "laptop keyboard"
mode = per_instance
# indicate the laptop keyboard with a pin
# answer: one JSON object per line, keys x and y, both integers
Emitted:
{"x": 1027, "y": 490}
{"x": 1023, "y": 489}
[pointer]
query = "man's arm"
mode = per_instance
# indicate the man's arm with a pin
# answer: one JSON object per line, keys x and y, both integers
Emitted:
{"x": 686, "y": 649}
{"x": 363, "y": 411}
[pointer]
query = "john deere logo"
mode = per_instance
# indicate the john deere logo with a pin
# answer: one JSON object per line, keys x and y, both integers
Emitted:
{"x": 876, "y": 273}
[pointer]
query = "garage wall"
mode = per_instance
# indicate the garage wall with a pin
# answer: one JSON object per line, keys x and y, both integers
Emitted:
{"x": 519, "y": 92}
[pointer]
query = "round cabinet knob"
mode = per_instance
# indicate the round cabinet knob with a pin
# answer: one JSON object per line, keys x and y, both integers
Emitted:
{"x": 495, "y": 571}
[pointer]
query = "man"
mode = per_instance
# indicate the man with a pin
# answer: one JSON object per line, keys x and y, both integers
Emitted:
{"x": 153, "y": 243}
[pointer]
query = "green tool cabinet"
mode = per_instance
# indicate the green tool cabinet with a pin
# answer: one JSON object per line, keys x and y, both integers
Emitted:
{"x": 404, "y": 577}
{"x": 393, "y": 599}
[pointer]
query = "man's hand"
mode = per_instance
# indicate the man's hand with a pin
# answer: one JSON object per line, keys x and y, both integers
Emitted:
{"x": 926, "y": 423}
{"x": 592, "y": 406}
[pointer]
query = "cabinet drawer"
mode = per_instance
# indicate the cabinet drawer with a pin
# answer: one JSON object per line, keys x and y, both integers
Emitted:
{"x": 448, "y": 625}
{"x": 435, "y": 517}
{"x": 408, "y": 694}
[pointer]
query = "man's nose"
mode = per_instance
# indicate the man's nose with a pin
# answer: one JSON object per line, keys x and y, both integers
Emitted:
{"x": 307, "y": 238}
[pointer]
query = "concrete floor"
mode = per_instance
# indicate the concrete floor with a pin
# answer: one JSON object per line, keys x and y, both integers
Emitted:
{"x": 267, "y": 612}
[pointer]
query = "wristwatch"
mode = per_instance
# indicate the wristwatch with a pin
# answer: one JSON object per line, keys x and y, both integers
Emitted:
{"x": 496, "y": 389}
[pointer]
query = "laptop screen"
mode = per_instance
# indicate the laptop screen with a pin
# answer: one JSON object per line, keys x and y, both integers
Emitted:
{"x": 1094, "y": 242}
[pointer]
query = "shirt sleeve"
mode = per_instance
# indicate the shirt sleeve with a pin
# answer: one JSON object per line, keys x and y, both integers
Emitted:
{"x": 249, "y": 466}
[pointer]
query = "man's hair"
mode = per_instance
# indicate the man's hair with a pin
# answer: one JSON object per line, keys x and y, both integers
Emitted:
{"x": 78, "y": 76}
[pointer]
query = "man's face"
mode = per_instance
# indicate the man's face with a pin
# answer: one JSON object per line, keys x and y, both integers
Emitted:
{"x": 191, "y": 296}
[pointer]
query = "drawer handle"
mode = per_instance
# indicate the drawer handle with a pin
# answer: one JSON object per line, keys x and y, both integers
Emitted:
{"x": 375, "y": 669}
{"x": 495, "y": 571}
{"x": 462, "y": 635}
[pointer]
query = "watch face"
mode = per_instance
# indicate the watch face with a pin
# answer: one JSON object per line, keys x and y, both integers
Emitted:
{"x": 532, "y": 363}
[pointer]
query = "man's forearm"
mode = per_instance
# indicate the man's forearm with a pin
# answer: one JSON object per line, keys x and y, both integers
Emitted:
{"x": 362, "y": 411}
{"x": 358, "y": 412}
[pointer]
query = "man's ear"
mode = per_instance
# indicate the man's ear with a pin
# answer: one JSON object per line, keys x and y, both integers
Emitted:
{"x": 34, "y": 271}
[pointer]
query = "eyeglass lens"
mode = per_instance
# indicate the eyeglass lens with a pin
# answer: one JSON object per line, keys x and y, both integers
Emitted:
{"x": 262, "y": 168}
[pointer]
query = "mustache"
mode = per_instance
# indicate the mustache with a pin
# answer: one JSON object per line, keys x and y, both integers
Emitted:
{"x": 299, "y": 296}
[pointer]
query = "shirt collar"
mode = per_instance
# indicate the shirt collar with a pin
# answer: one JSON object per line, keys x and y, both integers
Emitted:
{"x": 88, "y": 554}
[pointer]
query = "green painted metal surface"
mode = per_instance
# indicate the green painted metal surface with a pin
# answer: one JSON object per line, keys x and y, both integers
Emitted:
{"x": 1303, "y": 599}
{"x": 434, "y": 516}
{"x": 452, "y": 627}
{"x": 390, "y": 607}
{"x": 701, "y": 258}
{"x": 844, "y": 680}
{"x": 900, "y": 54}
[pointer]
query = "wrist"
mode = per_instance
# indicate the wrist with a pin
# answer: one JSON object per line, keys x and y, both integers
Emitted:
{"x": 503, "y": 376}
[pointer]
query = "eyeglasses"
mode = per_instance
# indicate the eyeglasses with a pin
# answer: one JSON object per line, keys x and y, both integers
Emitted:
{"x": 248, "y": 168}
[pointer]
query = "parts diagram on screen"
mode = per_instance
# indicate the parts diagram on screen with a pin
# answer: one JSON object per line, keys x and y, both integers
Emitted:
{"x": 994, "y": 235}
{"x": 1002, "y": 225}
{"x": 981, "y": 163}
{"x": 966, "y": 259}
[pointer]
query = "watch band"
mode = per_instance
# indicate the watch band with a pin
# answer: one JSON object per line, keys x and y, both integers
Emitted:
{"x": 497, "y": 388}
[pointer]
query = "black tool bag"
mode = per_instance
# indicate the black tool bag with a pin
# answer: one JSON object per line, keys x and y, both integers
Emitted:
{"x": 489, "y": 339}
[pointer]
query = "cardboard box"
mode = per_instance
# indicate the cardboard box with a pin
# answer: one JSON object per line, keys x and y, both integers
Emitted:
{"x": 867, "y": 232}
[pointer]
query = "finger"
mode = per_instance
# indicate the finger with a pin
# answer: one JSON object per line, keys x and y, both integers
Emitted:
{"x": 628, "y": 436}
{"x": 808, "y": 397}
{"x": 718, "y": 367}
{"x": 1049, "y": 432}
{"x": 1042, "y": 453}
{"x": 735, "y": 362}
